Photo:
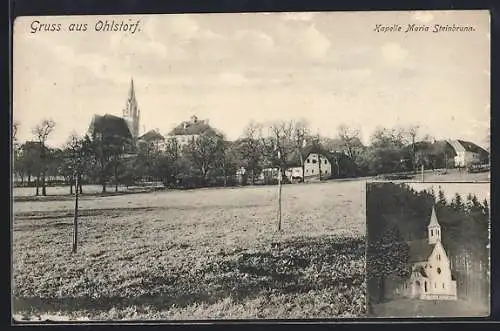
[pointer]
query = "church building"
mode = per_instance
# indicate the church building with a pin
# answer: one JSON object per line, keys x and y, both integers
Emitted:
{"x": 431, "y": 276}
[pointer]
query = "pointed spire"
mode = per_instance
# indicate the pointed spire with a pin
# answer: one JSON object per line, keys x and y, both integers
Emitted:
{"x": 434, "y": 220}
{"x": 131, "y": 95}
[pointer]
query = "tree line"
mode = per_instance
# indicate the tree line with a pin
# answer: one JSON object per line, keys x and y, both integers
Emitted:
{"x": 109, "y": 156}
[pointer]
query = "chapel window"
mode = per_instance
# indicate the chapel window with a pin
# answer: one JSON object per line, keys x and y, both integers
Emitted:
{"x": 439, "y": 270}
{"x": 308, "y": 161}
{"x": 314, "y": 160}
{"x": 443, "y": 285}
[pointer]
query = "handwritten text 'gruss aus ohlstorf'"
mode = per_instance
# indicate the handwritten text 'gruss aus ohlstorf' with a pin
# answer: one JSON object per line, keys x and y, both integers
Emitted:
{"x": 125, "y": 26}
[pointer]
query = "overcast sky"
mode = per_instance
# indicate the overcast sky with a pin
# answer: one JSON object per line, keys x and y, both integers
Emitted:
{"x": 480, "y": 190}
{"x": 328, "y": 68}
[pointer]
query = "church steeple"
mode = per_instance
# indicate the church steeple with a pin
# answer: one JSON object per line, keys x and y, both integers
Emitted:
{"x": 131, "y": 113}
{"x": 433, "y": 229}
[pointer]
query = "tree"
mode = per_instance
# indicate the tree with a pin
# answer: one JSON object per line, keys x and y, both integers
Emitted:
{"x": 350, "y": 141}
{"x": 76, "y": 159}
{"x": 387, "y": 152}
{"x": 300, "y": 135}
{"x": 108, "y": 142}
{"x": 251, "y": 149}
{"x": 278, "y": 145}
{"x": 203, "y": 152}
{"x": 42, "y": 132}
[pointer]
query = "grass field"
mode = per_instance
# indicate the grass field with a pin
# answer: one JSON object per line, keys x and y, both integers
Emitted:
{"x": 198, "y": 254}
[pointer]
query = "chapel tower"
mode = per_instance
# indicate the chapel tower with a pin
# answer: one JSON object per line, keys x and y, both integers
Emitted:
{"x": 433, "y": 229}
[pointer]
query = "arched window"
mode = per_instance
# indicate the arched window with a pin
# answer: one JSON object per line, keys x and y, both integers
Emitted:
{"x": 443, "y": 285}
{"x": 439, "y": 271}
{"x": 425, "y": 286}
{"x": 432, "y": 233}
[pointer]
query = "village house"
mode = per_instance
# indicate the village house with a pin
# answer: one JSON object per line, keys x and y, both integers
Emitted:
{"x": 431, "y": 274}
{"x": 468, "y": 153}
{"x": 317, "y": 165}
{"x": 188, "y": 131}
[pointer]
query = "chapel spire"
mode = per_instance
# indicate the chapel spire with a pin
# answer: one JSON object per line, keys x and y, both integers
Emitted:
{"x": 434, "y": 229}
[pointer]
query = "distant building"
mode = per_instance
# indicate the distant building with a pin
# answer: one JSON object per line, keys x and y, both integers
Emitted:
{"x": 317, "y": 165}
{"x": 431, "y": 276}
{"x": 153, "y": 139}
{"x": 468, "y": 153}
{"x": 188, "y": 131}
{"x": 131, "y": 113}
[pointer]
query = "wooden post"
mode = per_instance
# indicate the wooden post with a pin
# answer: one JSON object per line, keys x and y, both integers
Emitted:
{"x": 75, "y": 219}
{"x": 279, "y": 192}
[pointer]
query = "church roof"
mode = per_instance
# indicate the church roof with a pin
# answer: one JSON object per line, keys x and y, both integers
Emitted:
{"x": 109, "y": 124}
{"x": 420, "y": 250}
{"x": 433, "y": 221}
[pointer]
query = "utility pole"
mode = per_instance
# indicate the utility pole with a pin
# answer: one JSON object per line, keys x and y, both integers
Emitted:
{"x": 422, "y": 173}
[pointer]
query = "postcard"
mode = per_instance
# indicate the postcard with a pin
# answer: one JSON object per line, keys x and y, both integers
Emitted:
{"x": 191, "y": 167}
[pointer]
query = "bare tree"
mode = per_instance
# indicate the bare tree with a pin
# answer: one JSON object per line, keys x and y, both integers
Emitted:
{"x": 251, "y": 148}
{"x": 42, "y": 132}
{"x": 351, "y": 141}
{"x": 279, "y": 139}
{"x": 301, "y": 133}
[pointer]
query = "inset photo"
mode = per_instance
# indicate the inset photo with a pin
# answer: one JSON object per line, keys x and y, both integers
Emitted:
{"x": 428, "y": 251}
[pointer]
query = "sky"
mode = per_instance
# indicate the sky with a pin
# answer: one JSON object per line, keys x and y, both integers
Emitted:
{"x": 327, "y": 68}
{"x": 481, "y": 190}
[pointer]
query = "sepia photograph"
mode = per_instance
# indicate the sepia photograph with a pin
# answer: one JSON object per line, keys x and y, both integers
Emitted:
{"x": 196, "y": 167}
{"x": 428, "y": 249}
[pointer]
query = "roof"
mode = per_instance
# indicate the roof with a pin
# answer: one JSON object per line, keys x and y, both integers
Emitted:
{"x": 192, "y": 127}
{"x": 420, "y": 250}
{"x": 294, "y": 159}
{"x": 433, "y": 221}
{"x": 438, "y": 147}
{"x": 462, "y": 145}
{"x": 109, "y": 124}
{"x": 152, "y": 135}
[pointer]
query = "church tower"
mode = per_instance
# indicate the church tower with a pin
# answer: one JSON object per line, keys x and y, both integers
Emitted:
{"x": 131, "y": 113}
{"x": 433, "y": 229}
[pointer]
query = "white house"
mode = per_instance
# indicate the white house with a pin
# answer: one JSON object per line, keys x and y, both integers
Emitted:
{"x": 431, "y": 277}
{"x": 467, "y": 153}
{"x": 317, "y": 165}
{"x": 188, "y": 131}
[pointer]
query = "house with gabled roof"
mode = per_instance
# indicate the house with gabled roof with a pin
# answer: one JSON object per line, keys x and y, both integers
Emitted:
{"x": 317, "y": 164}
{"x": 187, "y": 131}
{"x": 431, "y": 274}
{"x": 468, "y": 153}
